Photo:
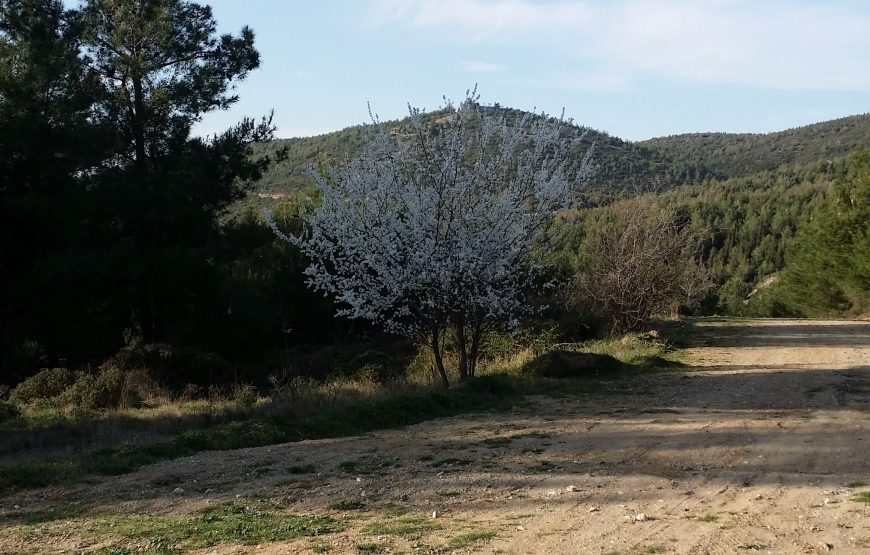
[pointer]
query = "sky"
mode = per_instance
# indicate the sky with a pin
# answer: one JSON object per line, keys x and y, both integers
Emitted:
{"x": 633, "y": 68}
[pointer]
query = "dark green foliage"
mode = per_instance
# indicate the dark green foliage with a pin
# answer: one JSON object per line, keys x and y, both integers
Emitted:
{"x": 828, "y": 265}
{"x": 572, "y": 364}
{"x": 620, "y": 167}
{"x": 699, "y": 156}
{"x": 121, "y": 205}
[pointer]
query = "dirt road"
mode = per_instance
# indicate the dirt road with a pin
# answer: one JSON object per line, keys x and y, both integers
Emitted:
{"x": 761, "y": 446}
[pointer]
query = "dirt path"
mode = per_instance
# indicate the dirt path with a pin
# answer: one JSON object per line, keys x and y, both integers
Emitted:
{"x": 761, "y": 446}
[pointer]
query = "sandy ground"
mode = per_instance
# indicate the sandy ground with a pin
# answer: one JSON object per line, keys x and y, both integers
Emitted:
{"x": 758, "y": 447}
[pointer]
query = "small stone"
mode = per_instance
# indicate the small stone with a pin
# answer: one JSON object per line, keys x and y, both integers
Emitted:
{"x": 435, "y": 514}
{"x": 16, "y": 507}
{"x": 520, "y": 528}
{"x": 178, "y": 491}
{"x": 572, "y": 488}
{"x": 641, "y": 517}
{"x": 826, "y": 546}
{"x": 208, "y": 491}
{"x": 594, "y": 509}
{"x": 829, "y": 501}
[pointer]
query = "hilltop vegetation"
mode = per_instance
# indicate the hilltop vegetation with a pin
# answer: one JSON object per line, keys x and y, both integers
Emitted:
{"x": 699, "y": 156}
{"x": 621, "y": 167}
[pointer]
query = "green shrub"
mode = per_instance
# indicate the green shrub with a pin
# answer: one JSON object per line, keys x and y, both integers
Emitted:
{"x": 46, "y": 384}
{"x": 571, "y": 364}
{"x": 92, "y": 392}
{"x": 245, "y": 396}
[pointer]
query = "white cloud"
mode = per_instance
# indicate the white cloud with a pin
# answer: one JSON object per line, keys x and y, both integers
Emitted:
{"x": 475, "y": 66}
{"x": 774, "y": 44}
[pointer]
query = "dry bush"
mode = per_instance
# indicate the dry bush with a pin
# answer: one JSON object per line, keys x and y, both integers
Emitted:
{"x": 635, "y": 262}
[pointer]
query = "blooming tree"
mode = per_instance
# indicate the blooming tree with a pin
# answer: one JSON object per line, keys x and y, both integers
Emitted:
{"x": 438, "y": 226}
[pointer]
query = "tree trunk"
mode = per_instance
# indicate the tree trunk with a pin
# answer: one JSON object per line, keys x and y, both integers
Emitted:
{"x": 138, "y": 126}
{"x": 474, "y": 350}
{"x": 462, "y": 344}
{"x": 439, "y": 360}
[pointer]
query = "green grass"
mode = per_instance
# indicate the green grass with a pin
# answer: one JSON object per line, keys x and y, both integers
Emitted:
{"x": 496, "y": 442}
{"x": 856, "y": 484}
{"x": 543, "y": 466}
{"x": 862, "y": 497}
{"x": 348, "y": 505}
{"x": 483, "y": 394}
{"x": 467, "y": 540}
{"x": 708, "y": 518}
{"x": 496, "y": 392}
{"x": 369, "y": 548}
{"x": 166, "y": 535}
{"x": 408, "y": 526}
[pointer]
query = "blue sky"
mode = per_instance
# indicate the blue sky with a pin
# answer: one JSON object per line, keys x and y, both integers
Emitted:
{"x": 634, "y": 68}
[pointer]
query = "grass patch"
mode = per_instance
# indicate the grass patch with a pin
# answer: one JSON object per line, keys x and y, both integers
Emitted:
{"x": 467, "y": 540}
{"x": 496, "y": 442}
{"x": 543, "y": 466}
{"x": 862, "y": 497}
{"x": 368, "y": 548}
{"x": 348, "y": 505}
{"x": 708, "y": 518}
{"x": 408, "y": 526}
{"x": 856, "y": 484}
{"x": 301, "y": 469}
{"x": 482, "y": 394}
{"x": 166, "y": 535}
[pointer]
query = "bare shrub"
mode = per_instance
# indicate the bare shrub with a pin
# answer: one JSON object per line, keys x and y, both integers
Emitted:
{"x": 636, "y": 261}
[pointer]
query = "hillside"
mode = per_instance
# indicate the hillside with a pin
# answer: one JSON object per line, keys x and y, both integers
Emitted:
{"x": 620, "y": 165}
{"x": 698, "y": 156}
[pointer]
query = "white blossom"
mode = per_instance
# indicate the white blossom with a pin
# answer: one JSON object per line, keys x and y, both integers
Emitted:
{"x": 437, "y": 225}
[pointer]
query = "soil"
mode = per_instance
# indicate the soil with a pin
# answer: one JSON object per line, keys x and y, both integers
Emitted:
{"x": 760, "y": 445}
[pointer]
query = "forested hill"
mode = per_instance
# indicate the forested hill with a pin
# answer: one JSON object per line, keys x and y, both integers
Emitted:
{"x": 621, "y": 166}
{"x": 698, "y": 156}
